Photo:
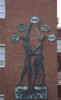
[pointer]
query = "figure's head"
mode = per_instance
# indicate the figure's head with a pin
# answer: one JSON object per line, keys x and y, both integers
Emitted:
{"x": 25, "y": 37}
{"x": 41, "y": 38}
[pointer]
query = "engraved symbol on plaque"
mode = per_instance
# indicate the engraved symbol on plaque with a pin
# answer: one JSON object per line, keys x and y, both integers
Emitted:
{"x": 15, "y": 37}
{"x": 45, "y": 28}
{"x": 34, "y": 20}
{"x": 51, "y": 37}
{"x": 21, "y": 27}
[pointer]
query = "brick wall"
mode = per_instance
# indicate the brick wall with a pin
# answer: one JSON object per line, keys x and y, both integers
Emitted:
{"x": 18, "y": 12}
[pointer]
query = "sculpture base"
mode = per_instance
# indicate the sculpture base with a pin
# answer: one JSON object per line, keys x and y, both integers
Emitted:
{"x": 22, "y": 92}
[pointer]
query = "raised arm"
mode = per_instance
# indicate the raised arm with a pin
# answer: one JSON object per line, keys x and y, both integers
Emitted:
{"x": 29, "y": 29}
{"x": 38, "y": 29}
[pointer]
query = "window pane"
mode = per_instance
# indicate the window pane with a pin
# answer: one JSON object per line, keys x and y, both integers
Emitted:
{"x": 59, "y": 46}
{"x": 58, "y": 41}
{"x": 59, "y": 75}
{"x": 2, "y": 15}
{"x": 2, "y": 50}
{"x": 2, "y": 2}
{"x": 2, "y": 8}
{"x": 1, "y": 97}
{"x": 59, "y": 50}
{"x": 1, "y": 62}
{"x": 2, "y": 56}
{"x": 59, "y": 78}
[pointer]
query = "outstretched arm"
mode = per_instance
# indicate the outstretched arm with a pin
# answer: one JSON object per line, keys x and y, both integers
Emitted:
{"x": 29, "y": 29}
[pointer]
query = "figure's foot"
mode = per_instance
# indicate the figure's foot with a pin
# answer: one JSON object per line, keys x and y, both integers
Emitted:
{"x": 31, "y": 88}
{"x": 20, "y": 84}
{"x": 42, "y": 84}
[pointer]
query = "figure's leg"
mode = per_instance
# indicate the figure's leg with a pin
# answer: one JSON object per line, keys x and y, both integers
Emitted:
{"x": 42, "y": 74}
{"x": 35, "y": 70}
{"x": 22, "y": 75}
{"x": 34, "y": 77}
{"x": 29, "y": 74}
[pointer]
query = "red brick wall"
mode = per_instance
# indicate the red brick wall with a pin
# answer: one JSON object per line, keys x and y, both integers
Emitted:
{"x": 18, "y": 12}
{"x": 2, "y": 80}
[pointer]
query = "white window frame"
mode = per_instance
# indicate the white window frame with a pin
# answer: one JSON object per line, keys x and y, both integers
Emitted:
{"x": 2, "y": 46}
{"x": 58, "y": 45}
{"x": 2, "y": 9}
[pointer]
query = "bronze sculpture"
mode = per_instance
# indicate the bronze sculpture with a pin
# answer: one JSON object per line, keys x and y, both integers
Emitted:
{"x": 38, "y": 62}
{"x": 27, "y": 58}
{"x": 32, "y": 91}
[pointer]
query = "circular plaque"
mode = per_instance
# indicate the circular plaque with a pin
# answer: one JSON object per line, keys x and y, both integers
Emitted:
{"x": 34, "y": 20}
{"x": 21, "y": 27}
{"x": 51, "y": 37}
{"x": 45, "y": 28}
{"x": 15, "y": 37}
